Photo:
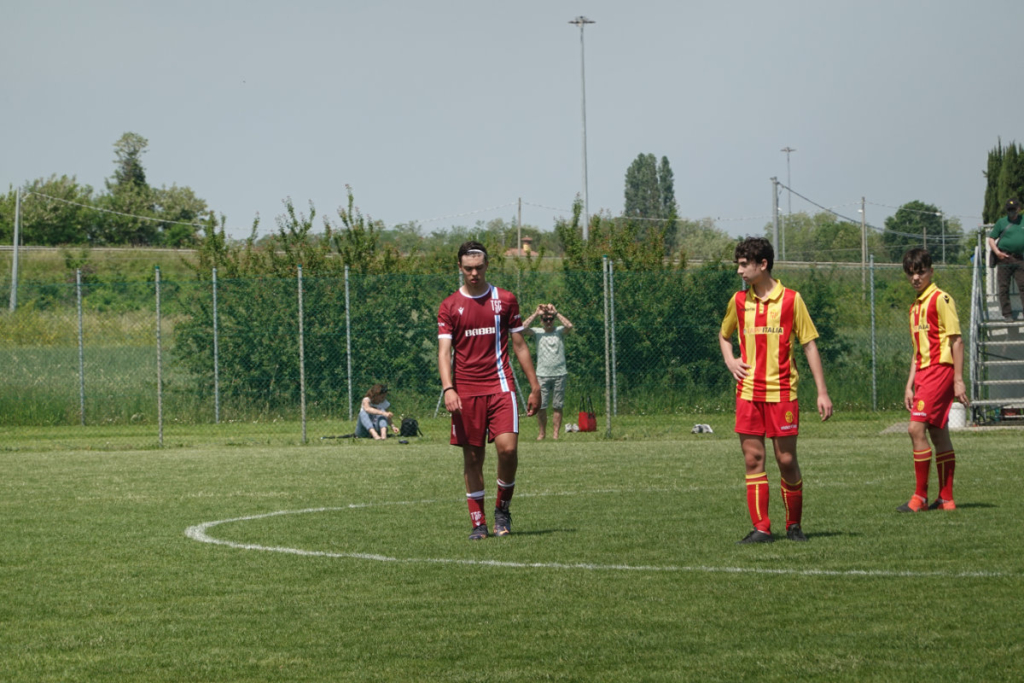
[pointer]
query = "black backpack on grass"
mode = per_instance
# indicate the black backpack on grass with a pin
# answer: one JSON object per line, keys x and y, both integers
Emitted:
{"x": 410, "y": 427}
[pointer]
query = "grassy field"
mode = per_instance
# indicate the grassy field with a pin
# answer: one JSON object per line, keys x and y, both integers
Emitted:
{"x": 344, "y": 560}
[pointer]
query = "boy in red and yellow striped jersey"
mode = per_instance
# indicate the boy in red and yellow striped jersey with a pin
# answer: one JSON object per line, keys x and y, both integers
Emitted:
{"x": 936, "y": 377}
{"x": 767, "y": 317}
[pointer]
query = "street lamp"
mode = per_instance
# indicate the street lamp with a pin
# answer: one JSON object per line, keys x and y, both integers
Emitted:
{"x": 582, "y": 21}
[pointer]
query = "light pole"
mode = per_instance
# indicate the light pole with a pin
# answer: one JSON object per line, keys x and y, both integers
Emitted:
{"x": 582, "y": 21}
{"x": 789, "y": 199}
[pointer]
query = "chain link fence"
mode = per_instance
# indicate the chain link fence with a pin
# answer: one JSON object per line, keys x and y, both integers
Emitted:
{"x": 265, "y": 360}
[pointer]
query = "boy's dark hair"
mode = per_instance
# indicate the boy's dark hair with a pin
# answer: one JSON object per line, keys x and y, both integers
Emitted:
{"x": 755, "y": 250}
{"x": 472, "y": 246}
{"x": 916, "y": 260}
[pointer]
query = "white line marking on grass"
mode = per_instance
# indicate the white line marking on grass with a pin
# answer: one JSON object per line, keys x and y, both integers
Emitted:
{"x": 199, "y": 533}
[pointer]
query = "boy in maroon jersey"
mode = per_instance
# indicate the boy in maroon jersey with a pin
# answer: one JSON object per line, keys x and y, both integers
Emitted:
{"x": 936, "y": 378}
{"x": 478, "y": 321}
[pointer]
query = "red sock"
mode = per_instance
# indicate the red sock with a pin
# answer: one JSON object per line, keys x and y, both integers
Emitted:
{"x": 922, "y": 463}
{"x": 793, "y": 497}
{"x": 476, "y": 508}
{"x": 505, "y": 492}
{"x": 757, "y": 501}
{"x": 945, "y": 463}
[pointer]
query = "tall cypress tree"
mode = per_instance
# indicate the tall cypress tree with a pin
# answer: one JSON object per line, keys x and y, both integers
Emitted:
{"x": 643, "y": 191}
{"x": 1011, "y": 176}
{"x": 993, "y": 207}
{"x": 669, "y": 211}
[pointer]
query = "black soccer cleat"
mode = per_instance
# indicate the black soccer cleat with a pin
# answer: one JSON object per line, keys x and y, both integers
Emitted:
{"x": 795, "y": 533}
{"x": 478, "y": 533}
{"x": 502, "y": 522}
{"x": 757, "y": 536}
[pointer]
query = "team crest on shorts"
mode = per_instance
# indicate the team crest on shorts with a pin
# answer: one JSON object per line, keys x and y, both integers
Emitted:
{"x": 496, "y": 305}
{"x": 789, "y": 416}
{"x": 920, "y": 404}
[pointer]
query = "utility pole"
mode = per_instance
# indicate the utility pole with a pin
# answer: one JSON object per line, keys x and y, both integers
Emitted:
{"x": 789, "y": 199}
{"x": 942, "y": 221}
{"x": 863, "y": 248}
{"x": 582, "y": 21}
{"x": 775, "y": 210}
{"x": 519, "y": 229}
{"x": 17, "y": 238}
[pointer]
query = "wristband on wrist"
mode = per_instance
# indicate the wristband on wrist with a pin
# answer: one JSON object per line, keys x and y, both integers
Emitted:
{"x": 447, "y": 389}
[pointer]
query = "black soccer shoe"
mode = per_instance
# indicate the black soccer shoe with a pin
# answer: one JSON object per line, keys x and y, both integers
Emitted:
{"x": 757, "y": 536}
{"x": 479, "y": 533}
{"x": 795, "y": 533}
{"x": 502, "y": 522}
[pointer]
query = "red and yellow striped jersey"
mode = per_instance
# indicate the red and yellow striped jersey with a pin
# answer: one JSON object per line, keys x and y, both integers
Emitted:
{"x": 933, "y": 321}
{"x": 766, "y": 329}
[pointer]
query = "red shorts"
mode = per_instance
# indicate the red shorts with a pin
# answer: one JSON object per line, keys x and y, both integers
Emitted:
{"x": 761, "y": 418}
{"x": 933, "y": 395}
{"x": 484, "y": 417}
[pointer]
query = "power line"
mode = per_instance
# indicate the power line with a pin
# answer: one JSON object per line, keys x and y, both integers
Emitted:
{"x": 946, "y": 239}
{"x": 111, "y": 211}
{"x": 467, "y": 213}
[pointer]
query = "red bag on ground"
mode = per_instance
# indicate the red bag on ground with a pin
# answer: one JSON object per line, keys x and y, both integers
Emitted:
{"x": 588, "y": 420}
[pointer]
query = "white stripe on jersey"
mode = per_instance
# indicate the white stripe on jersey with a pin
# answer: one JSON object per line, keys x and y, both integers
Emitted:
{"x": 497, "y": 349}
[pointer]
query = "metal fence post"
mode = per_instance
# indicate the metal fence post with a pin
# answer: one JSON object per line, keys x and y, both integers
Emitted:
{"x": 607, "y": 355}
{"x": 348, "y": 343}
{"x": 302, "y": 362}
{"x": 81, "y": 349}
{"x": 159, "y": 368}
{"x": 615, "y": 365}
{"x": 216, "y": 356}
{"x": 874, "y": 348}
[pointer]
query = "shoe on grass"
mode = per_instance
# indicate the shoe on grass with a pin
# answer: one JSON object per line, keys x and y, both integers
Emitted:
{"x": 757, "y": 536}
{"x": 795, "y": 533}
{"x": 478, "y": 533}
{"x": 915, "y": 504}
{"x": 502, "y": 522}
{"x": 941, "y": 504}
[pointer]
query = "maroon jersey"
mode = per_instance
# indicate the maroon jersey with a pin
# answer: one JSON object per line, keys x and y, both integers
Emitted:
{"x": 479, "y": 328}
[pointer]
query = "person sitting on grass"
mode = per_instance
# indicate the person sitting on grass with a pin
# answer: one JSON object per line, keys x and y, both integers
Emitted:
{"x": 374, "y": 416}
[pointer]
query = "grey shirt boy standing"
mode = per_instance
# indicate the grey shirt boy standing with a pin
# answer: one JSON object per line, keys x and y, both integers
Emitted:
{"x": 552, "y": 372}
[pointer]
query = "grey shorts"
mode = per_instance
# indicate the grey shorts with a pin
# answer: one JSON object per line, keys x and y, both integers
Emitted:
{"x": 552, "y": 391}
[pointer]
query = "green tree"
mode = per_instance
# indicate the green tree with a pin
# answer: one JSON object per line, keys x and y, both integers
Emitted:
{"x": 669, "y": 209}
{"x": 918, "y": 224}
{"x": 702, "y": 240}
{"x": 823, "y": 237}
{"x": 1011, "y": 176}
{"x": 54, "y": 211}
{"x": 643, "y": 191}
{"x": 128, "y": 151}
{"x": 650, "y": 197}
{"x": 128, "y": 204}
{"x": 181, "y": 213}
{"x": 993, "y": 208}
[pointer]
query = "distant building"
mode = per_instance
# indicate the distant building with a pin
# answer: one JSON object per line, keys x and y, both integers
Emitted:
{"x": 527, "y": 249}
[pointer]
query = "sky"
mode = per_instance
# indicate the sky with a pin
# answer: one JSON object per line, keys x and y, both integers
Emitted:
{"x": 446, "y": 113}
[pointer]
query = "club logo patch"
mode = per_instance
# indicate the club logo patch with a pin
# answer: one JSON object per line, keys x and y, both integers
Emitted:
{"x": 920, "y": 404}
{"x": 789, "y": 416}
{"x": 496, "y": 306}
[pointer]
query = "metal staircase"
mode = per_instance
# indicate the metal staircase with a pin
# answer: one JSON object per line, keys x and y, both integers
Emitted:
{"x": 996, "y": 352}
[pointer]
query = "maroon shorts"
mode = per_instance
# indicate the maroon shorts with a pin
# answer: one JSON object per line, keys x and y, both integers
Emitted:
{"x": 933, "y": 395}
{"x": 484, "y": 417}
{"x": 761, "y": 418}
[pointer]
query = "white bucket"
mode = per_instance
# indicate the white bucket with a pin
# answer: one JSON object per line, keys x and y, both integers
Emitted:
{"x": 958, "y": 416}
